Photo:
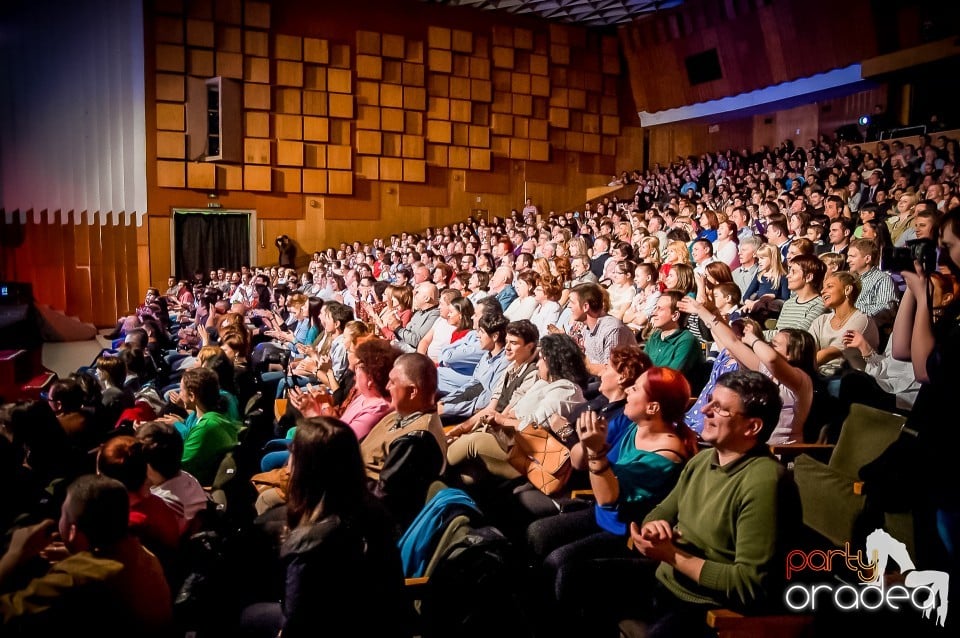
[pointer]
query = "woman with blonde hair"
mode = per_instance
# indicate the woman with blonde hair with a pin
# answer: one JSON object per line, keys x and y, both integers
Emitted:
{"x": 648, "y": 251}
{"x": 840, "y": 292}
{"x": 541, "y": 266}
{"x": 906, "y": 213}
{"x": 768, "y": 290}
{"x": 577, "y": 247}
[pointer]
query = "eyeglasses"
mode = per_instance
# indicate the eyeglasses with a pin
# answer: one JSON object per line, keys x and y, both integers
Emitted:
{"x": 714, "y": 408}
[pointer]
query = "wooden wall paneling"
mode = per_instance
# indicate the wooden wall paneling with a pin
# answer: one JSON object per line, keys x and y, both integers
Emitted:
{"x": 392, "y": 120}
{"x": 256, "y": 151}
{"x": 340, "y": 56}
{"x": 391, "y": 169}
{"x": 289, "y": 73}
{"x": 103, "y": 275}
{"x": 171, "y": 174}
{"x": 437, "y": 155}
{"x": 438, "y": 85}
{"x": 368, "y": 42}
{"x": 201, "y": 175}
{"x": 256, "y": 69}
{"x": 316, "y": 129}
{"x": 503, "y": 57}
{"x": 200, "y": 63}
{"x": 341, "y": 105}
{"x": 126, "y": 246}
{"x": 171, "y": 57}
{"x": 229, "y": 177}
{"x": 168, "y": 29}
{"x": 256, "y": 96}
{"x": 256, "y": 43}
{"x": 461, "y": 134}
{"x": 459, "y": 157}
{"x": 316, "y": 50}
{"x": 339, "y": 81}
{"x": 257, "y": 178}
{"x": 289, "y": 153}
{"x": 257, "y": 14}
{"x": 314, "y": 77}
{"x": 413, "y": 123}
{"x": 314, "y": 181}
{"x": 288, "y": 101}
{"x": 368, "y": 167}
{"x": 229, "y": 39}
{"x": 287, "y": 180}
{"x": 392, "y": 145}
{"x": 369, "y": 142}
{"x": 461, "y": 65}
{"x": 170, "y": 87}
{"x": 315, "y": 155}
{"x": 67, "y": 258}
{"x": 413, "y": 147}
{"x": 392, "y": 46}
{"x": 316, "y": 103}
{"x": 414, "y": 170}
{"x": 171, "y": 145}
{"x": 229, "y": 65}
{"x": 256, "y": 124}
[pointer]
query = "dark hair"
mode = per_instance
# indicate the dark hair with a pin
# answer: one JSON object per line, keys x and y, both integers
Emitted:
{"x": 220, "y": 363}
{"x": 205, "y": 386}
{"x": 760, "y": 397}
{"x": 465, "y": 307}
{"x": 121, "y": 457}
{"x": 68, "y": 392}
{"x": 564, "y": 359}
{"x": 525, "y": 329}
{"x": 377, "y": 357}
{"x": 590, "y": 294}
{"x": 162, "y": 447}
{"x": 114, "y": 368}
{"x": 630, "y": 361}
{"x": 326, "y": 476}
{"x": 100, "y": 508}
{"x": 810, "y": 265}
{"x": 340, "y": 313}
{"x": 494, "y": 325}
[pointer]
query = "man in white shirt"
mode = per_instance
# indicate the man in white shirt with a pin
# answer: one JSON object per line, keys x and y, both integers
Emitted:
{"x": 747, "y": 252}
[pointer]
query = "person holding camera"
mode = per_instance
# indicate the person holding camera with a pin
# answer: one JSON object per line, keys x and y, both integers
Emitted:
{"x": 929, "y": 337}
{"x": 288, "y": 252}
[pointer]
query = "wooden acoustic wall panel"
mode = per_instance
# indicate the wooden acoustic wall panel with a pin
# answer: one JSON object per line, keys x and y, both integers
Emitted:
{"x": 170, "y": 88}
{"x": 201, "y": 176}
{"x": 171, "y": 145}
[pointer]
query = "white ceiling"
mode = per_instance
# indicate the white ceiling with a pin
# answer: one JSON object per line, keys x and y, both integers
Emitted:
{"x": 586, "y": 13}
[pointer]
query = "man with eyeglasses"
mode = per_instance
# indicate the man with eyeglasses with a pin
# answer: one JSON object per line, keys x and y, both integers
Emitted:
{"x": 719, "y": 535}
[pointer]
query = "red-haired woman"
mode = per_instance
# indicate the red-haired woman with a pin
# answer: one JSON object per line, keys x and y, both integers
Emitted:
{"x": 634, "y": 461}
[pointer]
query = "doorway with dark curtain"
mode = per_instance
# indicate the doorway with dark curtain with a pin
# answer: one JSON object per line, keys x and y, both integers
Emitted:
{"x": 207, "y": 241}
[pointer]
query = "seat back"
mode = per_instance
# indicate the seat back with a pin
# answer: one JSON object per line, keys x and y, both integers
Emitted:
{"x": 865, "y": 434}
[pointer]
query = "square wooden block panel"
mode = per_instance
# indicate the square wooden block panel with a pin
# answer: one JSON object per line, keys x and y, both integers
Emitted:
{"x": 201, "y": 175}
{"x": 315, "y": 77}
{"x": 288, "y": 47}
{"x": 289, "y": 153}
{"x": 257, "y": 14}
{"x": 391, "y": 169}
{"x": 170, "y": 117}
{"x": 414, "y": 170}
{"x": 439, "y": 38}
{"x": 315, "y": 155}
{"x": 200, "y": 63}
{"x": 229, "y": 39}
{"x": 438, "y": 108}
{"x": 437, "y": 154}
{"x": 369, "y": 167}
{"x": 392, "y": 145}
{"x": 368, "y": 117}
{"x": 413, "y": 123}
{"x": 413, "y": 146}
{"x": 339, "y": 81}
{"x": 287, "y": 180}
{"x": 439, "y": 61}
{"x": 339, "y": 157}
{"x": 341, "y": 182}
{"x": 316, "y": 50}
{"x": 391, "y": 95}
{"x": 539, "y": 151}
{"x": 480, "y": 159}
{"x": 256, "y": 43}
{"x": 256, "y": 151}
{"x": 369, "y": 142}
{"x": 171, "y": 57}
{"x": 229, "y": 65}
{"x": 459, "y": 157}
{"x": 439, "y": 132}
{"x": 288, "y": 127}
{"x": 315, "y": 103}
{"x": 257, "y": 178}
{"x": 256, "y": 70}
{"x": 256, "y": 124}
{"x": 171, "y": 174}
{"x": 460, "y": 110}
{"x": 502, "y": 57}
{"x": 368, "y": 93}
{"x": 462, "y": 41}
{"x": 229, "y": 177}
{"x": 289, "y": 73}
{"x": 200, "y": 33}
{"x": 340, "y": 56}
{"x": 256, "y": 96}
{"x": 413, "y": 74}
{"x": 392, "y": 46}
{"x": 341, "y": 105}
{"x": 369, "y": 67}
{"x": 171, "y": 145}
{"x": 289, "y": 101}
{"x": 170, "y": 87}
{"x": 392, "y": 120}
{"x": 168, "y": 30}
{"x": 368, "y": 42}
{"x": 414, "y": 98}
{"x": 314, "y": 181}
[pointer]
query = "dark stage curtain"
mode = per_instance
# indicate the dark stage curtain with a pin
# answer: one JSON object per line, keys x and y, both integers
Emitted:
{"x": 207, "y": 241}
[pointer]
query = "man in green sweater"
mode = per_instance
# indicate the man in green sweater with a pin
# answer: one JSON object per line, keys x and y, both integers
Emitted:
{"x": 671, "y": 345}
{"x": 214, "y": 433}
{"x": 718, "y": 535}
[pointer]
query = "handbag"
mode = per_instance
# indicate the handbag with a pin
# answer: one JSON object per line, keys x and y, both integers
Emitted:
{"x": 278, "y": 478}
{"x": 542, "y": 458}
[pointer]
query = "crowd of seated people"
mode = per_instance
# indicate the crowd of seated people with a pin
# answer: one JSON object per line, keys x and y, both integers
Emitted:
{"x": 737, "y": 300}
